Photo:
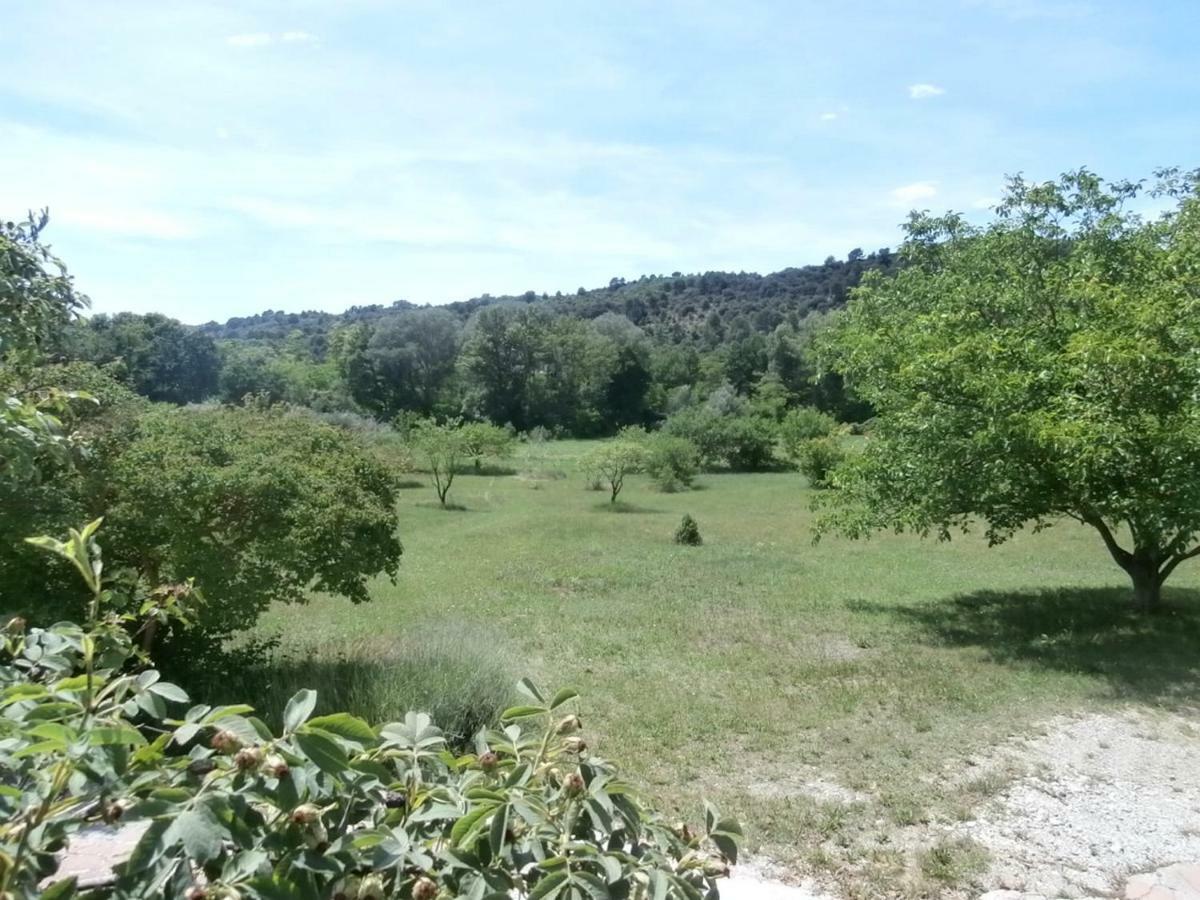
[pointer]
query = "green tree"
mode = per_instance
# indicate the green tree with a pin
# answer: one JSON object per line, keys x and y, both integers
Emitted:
{"x": 260, "y": 506}
{"x": 161, "y": 358}
{"x": 1038, "y": 367}
{"x": 483, "y": 440}
{"x": 410, "y": 357}
{"x": 443, "y": 446}
{"x": 615, "y": 459}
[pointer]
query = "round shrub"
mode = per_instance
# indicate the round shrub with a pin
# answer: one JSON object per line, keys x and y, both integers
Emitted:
{"x": 817, "y": 459}
{"x": 688, "y": 532}
{"x": 671, "y": 462}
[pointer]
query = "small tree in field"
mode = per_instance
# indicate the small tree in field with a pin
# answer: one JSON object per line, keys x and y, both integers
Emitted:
{"x": 1039, "y": 367}
{"x": 443, "y": 447}
{"x": 483, "y": 440}
{"x": 613, "y": 460}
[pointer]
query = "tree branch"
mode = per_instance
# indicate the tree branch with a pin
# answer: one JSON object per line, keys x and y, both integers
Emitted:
{"x": 1175, "y": 561}
{"x": 1119, "y": 553}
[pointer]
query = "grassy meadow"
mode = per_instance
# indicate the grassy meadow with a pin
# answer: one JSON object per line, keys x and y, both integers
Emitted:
{"x": 821, "y": 693}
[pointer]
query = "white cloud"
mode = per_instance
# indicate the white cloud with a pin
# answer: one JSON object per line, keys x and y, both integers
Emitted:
{"x": 127, "y": 222}
{"x": 924, "y": 91}
{"x": 257, "y": 39}
{"x": 264, "y": 38}
{"x": 828, "y": 116}
{"x": 918, "y": 190}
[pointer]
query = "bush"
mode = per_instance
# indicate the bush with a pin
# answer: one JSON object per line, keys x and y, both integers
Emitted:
{"x": 483, "y": 440}
{"x": 671, "y": 462}
{"x": 261, "y": 506}
{"x": 803, "y": 424}
{"x": 688, "y": 532}
{"x": 818, "y": 458}
{"x": 327, "y": 806}
{"x": 741, "y": 442}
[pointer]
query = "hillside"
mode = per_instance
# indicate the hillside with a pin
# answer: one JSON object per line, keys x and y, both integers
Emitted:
{"x": 675, "y": 307}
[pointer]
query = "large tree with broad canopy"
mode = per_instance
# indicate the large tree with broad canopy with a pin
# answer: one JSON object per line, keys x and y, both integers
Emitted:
{"x": 1043, "y": 366}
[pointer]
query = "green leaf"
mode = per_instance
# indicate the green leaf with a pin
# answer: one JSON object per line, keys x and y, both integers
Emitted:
{"x": 521, "y": 712}
{"x": 562, "y": 697}
{"x": 464, "y": 825}
{"x": 531, "y": 690}
{"x": 324, "y": 751}
{"x": 60, "y": 890}
{"x": 548, "y": 886}
{"x": 299, "y": 708}
{"x": 498, "y": 830}
{"x": 169, "y": 691}
{"x": 105, "y": 735}
{"x": 200, "y": 833}
{"x": 344, "y": 725}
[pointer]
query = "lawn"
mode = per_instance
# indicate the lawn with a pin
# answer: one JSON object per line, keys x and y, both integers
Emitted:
{"x": 818, "y": 692}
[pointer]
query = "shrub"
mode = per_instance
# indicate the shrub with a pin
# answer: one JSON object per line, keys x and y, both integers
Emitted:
{"x": 327, "y": 806}
{"x": 671, "y": 462}
{"x": 688, "y": 532}
{"x": 803, "y": 424}
{"x": 742, "y": 442}
{"x": 261, "y": 506}
{"x": 818, "y": 458}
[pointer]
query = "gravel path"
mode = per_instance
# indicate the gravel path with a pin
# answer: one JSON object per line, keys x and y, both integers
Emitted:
{"x": 1111, "y": 795}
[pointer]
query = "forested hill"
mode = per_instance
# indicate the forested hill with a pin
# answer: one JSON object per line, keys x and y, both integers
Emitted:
{"x": 674, "y": 307}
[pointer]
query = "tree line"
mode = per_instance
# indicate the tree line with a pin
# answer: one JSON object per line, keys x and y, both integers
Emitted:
{"x": 584, "y": 366}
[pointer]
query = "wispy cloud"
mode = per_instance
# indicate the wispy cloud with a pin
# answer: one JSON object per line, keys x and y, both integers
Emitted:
{"x": 141, "y": 223}
{"x": 264, "y": 38}
{"x": 924, "y": 91}
{"x": 828, "y": 116}
{"x": 918, "y": 190}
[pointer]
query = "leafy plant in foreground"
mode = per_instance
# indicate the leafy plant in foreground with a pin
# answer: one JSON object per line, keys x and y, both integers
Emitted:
{"x": 329, "y": 807}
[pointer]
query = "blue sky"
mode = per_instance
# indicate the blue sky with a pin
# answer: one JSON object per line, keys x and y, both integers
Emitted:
{"x": 212, "y": 159}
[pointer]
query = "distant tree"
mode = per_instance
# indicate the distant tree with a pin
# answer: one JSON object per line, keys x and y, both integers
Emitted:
{"x": 1040, "y": 367}
{"x": 745, "y": 362}
{"x": 802, "y": 425}
{"x": 483, "y": 440}
{"x": 670, "y": 461}
{"x": 613, "y": 460}
{"x": 249, "y": 369}
{"x": 409, "y": 358}
{"x": 160, "y": 358}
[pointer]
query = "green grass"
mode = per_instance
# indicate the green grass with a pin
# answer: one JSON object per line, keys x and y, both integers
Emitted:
{"x": 760, "y": 658}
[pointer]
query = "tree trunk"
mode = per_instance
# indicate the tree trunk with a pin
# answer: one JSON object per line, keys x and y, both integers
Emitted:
{"x": 1147, "y": 585}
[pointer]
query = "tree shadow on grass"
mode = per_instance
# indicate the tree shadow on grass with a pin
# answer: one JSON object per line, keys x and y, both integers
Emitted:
{"x": 622, "y": 507}
{"x": 1089, "y": 631}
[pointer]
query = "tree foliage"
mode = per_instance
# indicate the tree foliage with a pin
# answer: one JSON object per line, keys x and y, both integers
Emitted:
{"x": 613, "y": 460}
{"x": 261, "y": 506}
{"x": 1037, "y": 367}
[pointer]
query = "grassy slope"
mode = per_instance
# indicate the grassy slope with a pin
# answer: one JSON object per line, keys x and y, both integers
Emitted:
{"x": 740, "y": 669}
